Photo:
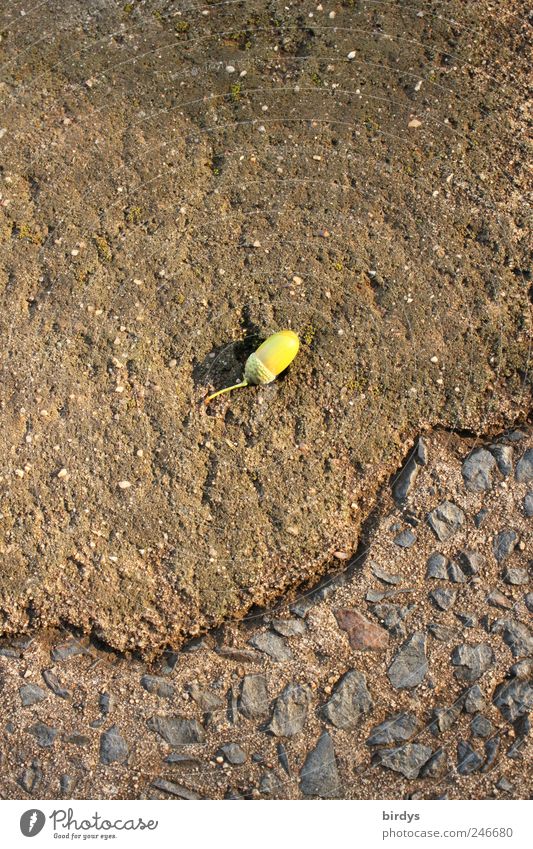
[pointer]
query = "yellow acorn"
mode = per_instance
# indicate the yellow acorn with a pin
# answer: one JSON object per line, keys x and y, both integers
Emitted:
{"x": 271, "y": 358}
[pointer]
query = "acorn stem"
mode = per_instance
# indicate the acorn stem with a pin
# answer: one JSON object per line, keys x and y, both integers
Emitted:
{"x": 228, "y": 389}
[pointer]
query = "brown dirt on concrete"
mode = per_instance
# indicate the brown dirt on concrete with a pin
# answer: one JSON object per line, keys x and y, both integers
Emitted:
{"x": 160, "y": 213}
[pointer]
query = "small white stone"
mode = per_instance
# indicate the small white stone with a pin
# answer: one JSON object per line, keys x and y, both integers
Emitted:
{"x": 351, "y": 54}
{"x": 434, "y": 360}
{"x": 124, "y": 484}
{"x": 62, "y": 473}
{"x": 230, "y": 69}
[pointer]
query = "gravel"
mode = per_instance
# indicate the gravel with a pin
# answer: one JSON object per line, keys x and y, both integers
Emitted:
{"x": 113, "y": 747}
{"x": 503, "y": 454}
{"x": 350, "y": 701}
{"x": 253, "y": 700}
{"x": 273, "y": 645}
{"x": 409, "y": 666}
{"x": 405, "y": 539}
{"x": 319, "y": 775}
{"x": 472, "y": 661}
{"x": 43, "y": 733}
{"x": 504, "y": 544}
{"x": 443, "y": 598}
{"x": 31, "y": 694}
{"x": 395, "y": 729}
{"x": 290, "y": 711}
{"x": 477, "y": 470}
{"x": 524, "y": 467}
{"x": 516, "y": 635}
{"x": 445, "y": 520}
{"x": 408, "y": 759}
{"x": 177, "y": 730}
{"x": 437, "y": 566}
{"x": 233, "y": 753}
{"x": 468, "y": 760}
{"x": 513, "y": 698}
{"x": 158, "y": 686}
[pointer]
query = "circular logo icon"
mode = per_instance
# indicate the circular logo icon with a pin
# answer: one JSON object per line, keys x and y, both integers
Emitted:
{"x": 32, "y": 822}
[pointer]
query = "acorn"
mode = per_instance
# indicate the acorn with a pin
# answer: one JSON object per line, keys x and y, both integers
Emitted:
{"x": 264, "y": 365}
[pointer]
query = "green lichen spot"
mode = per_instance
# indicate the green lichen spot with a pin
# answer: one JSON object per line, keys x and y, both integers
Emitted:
{"x": 102, "y": 246}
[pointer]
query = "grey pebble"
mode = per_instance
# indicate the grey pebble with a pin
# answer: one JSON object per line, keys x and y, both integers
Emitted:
{"x": 444, "y": 718}
{"x": 473, "y": 699}
{"x": 44, "y": 734}
{"x": 105, "y": 703}
{"x": 516, "y": 635}
{"x": 392, "y": 617}
{"x": 319, "y": 775}
{"x": 66, "y": 650}
{"x": 177, "y": 730}
{"x": 523, "y": 670}
{"x": 408, "y": 759}
{"x": 436, "y": 766}
{"x": 270, "y": 783}
{"x": 513, "y": 698}
{"x": 528, "y": 599}
{"x": 471, "y": 562}
{"x": 468, "y": 760}
{"x": 480, "y": 726}
{"x": 349, "y": 702}
{"x": 31, "y": 778}
{"x": 445, "y": 520}
{"x": 52, "y": 682}
{"x": 497, "y": 599}
{"x": 157, "y": 686}
{"x": 181, "y": 760}
{"x": 113, "y": 747}
{"x": 517, "y": 576}
{"x": 395, "y": 729}
{"x": 273, "y": 645}
{"x": 443, "y": 633}
{"x": 528, "y": 504}
{"x": 289, "y": 627}
{"x": 253, "y": 700}
{"x": 283, "y": 758}
{"x": 436, "y": 566}
{"x": 405, "y": 480}
{"x": 480, "y": 517}
{"x": 477, "y": 470}
{"x": 169, "y": 662}
{"x": 233, "y": 753}
{"x": 290, "y": 710}
{"x": 503, "y": 454}
{"x": 405, "y": 539}
{"x": 504, "y": 784}
{"x": 471, "y": 661}
{"x": 467, "y": 619}
{"x": 382, "y": 575}
{"x": 207, "y": 701}
{"x": 66, "y": 785}
{"x": 174, "y": 789}
{"x": 524, "y": 467}
{"x": 302, "y": 607}
{"x": 456, "y": 574}
{"x": 492, "y": 747}
{"x": 504, "y": 544}
{"x": 443, "y": 598}
{"x": 31, "y": 694}
{"x": 409, "y": 666}
{"x": 236, "y": 654}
